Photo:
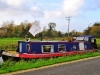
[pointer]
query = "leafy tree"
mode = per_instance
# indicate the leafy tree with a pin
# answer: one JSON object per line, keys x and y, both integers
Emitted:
{"x": 51, "y": 28}
{"x": 60, "y": 34}
{"x": 73, "y": 32}
{"x": 96, "y": 24}
{"x": 93, "y": 30}
{"x": 9, "y": 28}
{"x": 44, "y": 32}
{"x": 87, "y": 31}
{"x": 55, "y": 33}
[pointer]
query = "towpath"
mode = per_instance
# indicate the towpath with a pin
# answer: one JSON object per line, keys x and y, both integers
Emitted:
{"x": 86, "y": 67}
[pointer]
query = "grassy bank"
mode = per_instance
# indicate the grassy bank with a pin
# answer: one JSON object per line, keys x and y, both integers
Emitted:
{"x": 11, "y": 66}
{"x": 12, "y": 43}
{"x": 9, "y": 43}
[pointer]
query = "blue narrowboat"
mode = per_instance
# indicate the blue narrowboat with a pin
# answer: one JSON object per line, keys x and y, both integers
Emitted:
{"x": 46, "y": 49}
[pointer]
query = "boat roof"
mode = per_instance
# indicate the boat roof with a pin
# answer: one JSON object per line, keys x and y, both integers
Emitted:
{"x": 43, "y": 41}
{"x": 89, "y": 36}
{"x": 84, "y": 37}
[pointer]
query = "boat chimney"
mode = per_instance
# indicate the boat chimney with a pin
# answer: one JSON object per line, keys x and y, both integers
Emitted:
{"x": 28, "y": 39}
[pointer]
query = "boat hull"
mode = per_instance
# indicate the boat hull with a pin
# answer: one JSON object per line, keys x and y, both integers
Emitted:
{"x": 46, "y": 55}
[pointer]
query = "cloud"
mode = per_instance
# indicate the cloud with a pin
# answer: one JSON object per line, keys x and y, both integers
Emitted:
{"x": 52, "y": 14}
{"x": 36, "y": 11}
{"x": 35, "y": 8}
{"x": 68, "y": 8}
{"x": 13, "y": 2}
{"x": 71, "y": 7}
{"x": 8, "y": 10}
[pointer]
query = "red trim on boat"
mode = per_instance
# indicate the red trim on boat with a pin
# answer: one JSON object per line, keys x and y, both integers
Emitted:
{"x": 48, "y": 55}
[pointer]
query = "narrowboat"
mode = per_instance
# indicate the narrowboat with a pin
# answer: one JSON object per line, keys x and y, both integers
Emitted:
{"x": 47, "y": 49}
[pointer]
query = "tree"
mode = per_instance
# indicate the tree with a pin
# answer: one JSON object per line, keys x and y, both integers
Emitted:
{"x": 51, "y": 28}
{"x": 9, "y": 27}
{"x": 95, "y": 31}
{"x": 87, "y": 31}
{"x": 73, "y": 32}
{"x": 96, "y": 24}
{"x": 60, "y": 34}
{"x": 44, "y": 31}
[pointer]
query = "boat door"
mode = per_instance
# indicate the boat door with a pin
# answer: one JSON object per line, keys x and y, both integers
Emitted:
{"x": 81, "y": 46}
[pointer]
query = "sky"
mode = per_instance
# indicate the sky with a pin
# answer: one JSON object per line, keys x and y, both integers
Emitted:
{"x": 82, "y": 13}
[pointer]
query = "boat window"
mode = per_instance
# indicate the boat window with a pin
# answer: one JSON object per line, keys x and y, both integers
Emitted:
{"x": 93, "y": 40}
{"x": 47, "y": 48}
{"x": 62, "y": 47}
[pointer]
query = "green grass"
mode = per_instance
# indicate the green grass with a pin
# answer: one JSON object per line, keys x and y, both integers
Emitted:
{"x": 98, "y": 40}
{"x": 12, "y": 66}
{"x": 98, "y": 43}
{"x": 9, "y": 43}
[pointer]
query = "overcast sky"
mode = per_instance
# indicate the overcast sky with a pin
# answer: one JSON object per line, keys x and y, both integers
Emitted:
{"x": 82, "y": 12}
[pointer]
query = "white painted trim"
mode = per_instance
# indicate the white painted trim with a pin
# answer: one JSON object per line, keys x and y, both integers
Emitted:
{"x": 20, "y": 47}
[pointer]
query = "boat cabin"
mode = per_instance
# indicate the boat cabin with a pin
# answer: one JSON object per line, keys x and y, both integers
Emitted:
{"x": 81, "y": 43}
{"x": 87, "y": 38}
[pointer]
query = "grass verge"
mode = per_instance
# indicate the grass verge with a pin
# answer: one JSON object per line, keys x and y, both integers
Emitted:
{"x": 12, "y": 66}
